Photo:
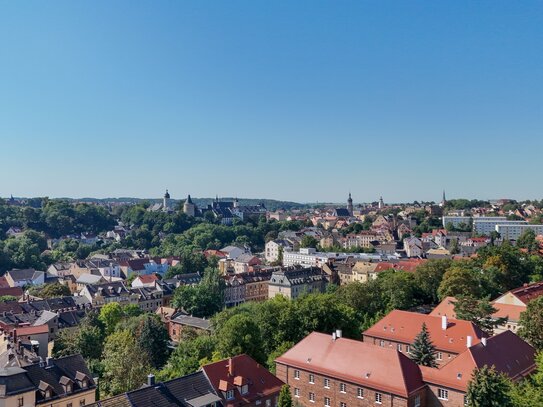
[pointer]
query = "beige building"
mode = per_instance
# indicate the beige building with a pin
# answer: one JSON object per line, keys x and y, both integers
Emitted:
{"x": 295, "y": 282}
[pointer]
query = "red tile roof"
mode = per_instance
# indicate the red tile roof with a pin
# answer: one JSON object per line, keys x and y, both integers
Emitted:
{"x": 506, "y": 351}
{"x": 147, "y": 278}
{"x": 4, "y": 282}
{"x": 243, "y": 367}
{"x": 29, "y": 330}
{"x": 404, "y": 265}
{"x": 404, "y": 326}
{"x": 14, "y": 291}
{"x": 355, "y": 361}
{"x": 445, "y": 307}
{"x": 528, "y": 292}
{"x": 512, "y": 312}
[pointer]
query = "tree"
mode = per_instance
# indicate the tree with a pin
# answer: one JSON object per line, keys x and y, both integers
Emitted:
{"x": 423, "y": 350}
{"x": 285, "y": 399}
{"x": 53, "y": 290}
{"x": 488, "y": 388}
{"x": 529, "y": 392}
{"x": 188, "y": 357}
{"x": 203, "y": 300}
{"x": 110, "y": 315}
{"x": 7, "y": 298}
{"x": 460, "y": 279}
{"x": 527, "y": 240}
{"x": 479, "y": 312}
{"x": 531, "y": 323}
{"x": 152, "y": 338}
{"x": 428, "y": 277}
{"x": 125, "y": 364}
{"x": 309, "y": 241}
{"x": 240, "y": 334}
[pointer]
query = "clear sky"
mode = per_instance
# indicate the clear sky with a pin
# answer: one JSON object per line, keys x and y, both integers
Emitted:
{"x": 293, "y": 100}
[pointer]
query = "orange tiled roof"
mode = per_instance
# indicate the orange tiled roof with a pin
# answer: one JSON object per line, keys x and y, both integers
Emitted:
{"x": 404, "y": 326}
{"x": 445, "y": 307}
{"x": 355, "y": 361}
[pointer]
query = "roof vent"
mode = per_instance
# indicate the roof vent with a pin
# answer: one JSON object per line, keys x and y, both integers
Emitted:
{"x": 338, "y": 333}
{"x": 368, "y": 375}
{"x": 333, "y": 336}
{"x": 459, "y": 376}
{"x": 483, "y": 341}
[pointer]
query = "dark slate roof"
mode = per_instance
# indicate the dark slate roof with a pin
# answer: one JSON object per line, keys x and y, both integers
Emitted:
{"x": 188, "y": 320}
{"x": 59, "y": 370}
{"x": 14, "y": 380}
{"x": 23, "y": 274}
{"x": 193, "y": 390}
{"x": 111, "y": 289}
{"x": 342, "y": 212}
{"x": 297, "y": 276}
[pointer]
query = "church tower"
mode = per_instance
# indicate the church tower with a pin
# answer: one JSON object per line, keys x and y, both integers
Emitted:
{"x": 166, "y": 202}
{"x": 443, "y": 201}
{"x": 350, "y": 205}
{"x": 381, "y": 203}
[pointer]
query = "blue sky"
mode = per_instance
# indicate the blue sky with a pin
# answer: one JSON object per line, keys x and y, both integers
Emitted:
{"x": 294, "y": 100}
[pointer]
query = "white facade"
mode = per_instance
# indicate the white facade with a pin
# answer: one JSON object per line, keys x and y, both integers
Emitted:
{"x": 513, "y": 231}
{"x": 485, "y": 226}
{"x": 456, "y": 220}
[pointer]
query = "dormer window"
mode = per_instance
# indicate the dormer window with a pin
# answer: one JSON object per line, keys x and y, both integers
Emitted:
{"x": 229, "y": 394}
{"x": 245, "y": 389}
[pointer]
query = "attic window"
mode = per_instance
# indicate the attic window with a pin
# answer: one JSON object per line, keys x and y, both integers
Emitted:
{"x": 245, "y": 389}
{"x": 229, "y": 394}
{"x": 459, "y": 376}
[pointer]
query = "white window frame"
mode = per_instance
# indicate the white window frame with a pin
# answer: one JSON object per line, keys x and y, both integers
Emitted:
{"x": 342, "y": 404}
{"x": 311, "y": 378}
{"x": 326, "y": 383}
{"x": 296, "y": 392}
{"x": 417, "y": 400}
{"x": 229, "y": 394}
{"x": 311, "y": 397}
{"x": 342, "y": 388}
{"x": 296, "y": 374}
{"x": 442, "y": 394}
{"x": 439, "y": 355}
{"x": 378, "y": 398}
{"x": 327, "y": 402}
{"x": 360, "y": 393}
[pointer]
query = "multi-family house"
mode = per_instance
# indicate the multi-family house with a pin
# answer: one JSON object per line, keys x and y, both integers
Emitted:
{"x": 274, "y": 249}
{"x": 413, "y": 247}
{"x": 329, "y": 370}
{"x": 62, "y": 382}
{"x": 291, "y": 283}
{"x": 25, "y": 277}
{"x": 244, "y": 263}
{"x": 240, "y": 381}
{"x": 398, "y": 330}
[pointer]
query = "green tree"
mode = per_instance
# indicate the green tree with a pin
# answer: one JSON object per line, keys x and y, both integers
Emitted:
{"x": 309, "y": 242}
{"x": 240, "y": 334}
{"x": 479, "y": 312}
{"x": 531, "y": 323}
{"x": 460, "y": 279}
{"x": 529, "y": 392}
{"x": 54, "y": 290}
{"x": 125, "y": 364}
{"x": 188, "y": 357}
{"x": 423, "y": 350}
{"x": 7, "y": 298}
{"x": 152, "y": 338}
{"x": 203, "y": 300}
{"x": 281, "y": 349}
{"x": 428, "y": 277}
{"x": 110, "y": 315}
{"x": 132, "y": 310}
{"x": 489, "y": 388}
{"x": 285, "y": 399}
{"x": 527, "y": 240}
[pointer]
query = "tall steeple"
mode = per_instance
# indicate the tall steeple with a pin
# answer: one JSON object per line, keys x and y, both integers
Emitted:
{"x": 444, "y": 200}
{"x": 166, "y": 202}
{"x": 381, "y": 203}
{"x": 350, "y": 204}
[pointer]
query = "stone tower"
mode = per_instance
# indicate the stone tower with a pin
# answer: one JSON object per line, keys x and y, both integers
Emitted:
{"x": 166, "y": 202}
{"x": 188, "y": 207}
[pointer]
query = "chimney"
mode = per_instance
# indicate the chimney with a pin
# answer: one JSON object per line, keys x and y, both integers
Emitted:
{"x": 151, "y": 379}
{"x": 230, "y": 367}
{"x": 469, "y": 341}
{"x": 15, "y": 335}
{"x": 338, "y": 333}
{"x": 483, "y": 341}
{"x": 49, "y": 361}
{"x": 444, "y": 322}
{"x": 333, "y": 336}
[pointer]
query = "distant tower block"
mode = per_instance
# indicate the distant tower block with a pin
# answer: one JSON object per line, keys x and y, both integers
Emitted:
{"x": 188, "y": 207}
{"x": 166, "y": 202}
{"x": 236, "y": 202}
{"x": 381, "y": 203}
{"x": 350, "y": 205}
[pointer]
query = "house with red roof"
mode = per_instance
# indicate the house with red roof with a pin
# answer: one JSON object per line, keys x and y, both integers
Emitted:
{"x": 329, "y": 370}
{"x": 146, "y": 280}
{"x": 398, "y": 330}
{"x": 240, "y": 381}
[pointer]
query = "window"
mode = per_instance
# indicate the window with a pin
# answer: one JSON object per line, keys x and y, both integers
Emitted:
{"x": 68, "y": 404}
{"x": 230, "y": 394}
{"x": 82, "y": 402}
{"x": 442, "y": 394}
{"x": 311, "y": 378}
{"x": 245, "y": 389}
{"x": 297, "y": 374}
{"x": 417, "y": 400}
{"x": 326, "y": 383}
{"x": 343, "y": 387}
{"x": 312, "y": 397}
{"x": 378, "y": 398}
{"x": 382, "y": 343}
{"x": 465, "y": 399}
{"x": 407, "y": 348}
{"x": 327, "y": 402}
{"x": 21, "y": 401}
{"x": 296, "y": 392}
{"x": 268, "y": 403}
{"x": 360, "y": 393}
{"x": 342, "y": 404}
{"x": 399, "y": 347}
{"x": 439, "y": 356}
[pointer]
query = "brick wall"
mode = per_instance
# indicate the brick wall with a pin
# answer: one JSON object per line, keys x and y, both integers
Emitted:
{"x": 455, "y": 398}
{"x": 302, "y": 387}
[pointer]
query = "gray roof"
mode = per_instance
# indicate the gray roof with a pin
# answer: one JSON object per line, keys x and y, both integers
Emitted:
{"x": 195, "y": 322}
{"x": 24, "y": 274}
